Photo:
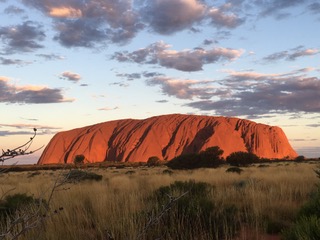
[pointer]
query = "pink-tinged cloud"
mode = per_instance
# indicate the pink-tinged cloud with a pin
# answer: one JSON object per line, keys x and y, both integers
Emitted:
{"x": 253, "y": 93}
{"x": 187, "y": 60}
{"x": 64, "y": 12}
{"x": 108, "y": 108}
{"x": 182, "y": 88}
{"x": 221, "y": 19}
{"x": 71, "y": 76}
{"x": 292, "y": 54}
{"x": 10, "y": 93}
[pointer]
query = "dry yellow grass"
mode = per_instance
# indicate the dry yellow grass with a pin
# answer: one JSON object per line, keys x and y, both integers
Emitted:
{"x": 91, "y": 210}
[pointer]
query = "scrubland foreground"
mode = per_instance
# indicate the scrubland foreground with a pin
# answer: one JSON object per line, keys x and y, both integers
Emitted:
{"x": 157, "y": 203}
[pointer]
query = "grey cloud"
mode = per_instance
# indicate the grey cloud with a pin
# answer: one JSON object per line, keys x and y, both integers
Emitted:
{"x": 276, "y": 8}
{"x": 162, "y": 101}
{"x": 79, "y": 33}
{"x": 313, "y": 125}
{"x": 291, "y": 55}
{"x": 314, "y": 8}
{"x": 188, "y": 60}
{"x": 50, "y": 57}
{"x": 13, "y": 10}
{"x": 221, "y": 19}
{"x": 167, "y": 16}
{"x": 266, "y": 94}
{"x": 182, "y": 88}
{"x": 120, "y": 84}
{"x": 28, "y": 126}
{"x": 151, "y": 74}
{"x": 91, "y": 23}
{"x": 19, "y": 94}
{"x": 302, "y": 53}
{"x": 129, "y": 76}
{"x": 8, "y": 61}
{"x": 98, "y": 23}
{"x": 22, "y": 38}
{"x": 11, "y": 133}
{"x": 208, "y": 42}
{"x": 45, "y": 95}
{"x": 276, "y": 56}
{"x": 134, "y": 76}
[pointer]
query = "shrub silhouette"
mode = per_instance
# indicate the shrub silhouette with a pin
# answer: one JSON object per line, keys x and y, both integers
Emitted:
{"x": 242, "y": 159}
{"x": 79, "y": 159}
{"x": 299, "y": 158}
{"x": 210, "y": 158}
{"x": 153, "y": 161}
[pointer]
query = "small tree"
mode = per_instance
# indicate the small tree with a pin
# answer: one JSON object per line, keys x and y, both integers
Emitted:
{"x": 79, "y": 159}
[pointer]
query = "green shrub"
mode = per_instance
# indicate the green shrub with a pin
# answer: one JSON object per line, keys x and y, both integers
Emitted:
{"x": 305, "y": 228}
{"x": 185, "y": 210}
{"x": 210, "y": 158}
{"x": 307, "y": 224}
{"x": 76, "y": 175}
{"x": 242, "y": 159}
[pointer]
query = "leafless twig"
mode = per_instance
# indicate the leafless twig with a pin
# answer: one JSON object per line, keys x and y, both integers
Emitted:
{"x": 20, "y": 150}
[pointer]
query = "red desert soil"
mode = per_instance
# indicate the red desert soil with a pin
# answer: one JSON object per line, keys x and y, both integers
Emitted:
{"x": 166, "y": 136}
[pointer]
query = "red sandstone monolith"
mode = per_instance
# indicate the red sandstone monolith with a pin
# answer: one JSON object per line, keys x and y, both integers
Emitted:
{"x": 166, "y": 136}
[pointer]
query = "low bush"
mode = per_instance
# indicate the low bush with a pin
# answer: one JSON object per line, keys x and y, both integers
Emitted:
{"x": 76, "y": 175}
{"x": 12, "y": 203}
{"x": 153, "y": 161}
{"x": 242, "y": 159}
{"x": 234, "y": 170}
{"x": 299, "y": 158}
{"x": 186, "y": 210}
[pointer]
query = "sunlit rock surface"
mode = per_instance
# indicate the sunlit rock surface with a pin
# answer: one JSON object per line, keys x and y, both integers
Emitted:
{"x": 166, "y": 136}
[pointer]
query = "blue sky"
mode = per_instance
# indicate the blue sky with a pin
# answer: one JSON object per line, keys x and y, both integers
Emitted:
{"x": 68, "y": 64}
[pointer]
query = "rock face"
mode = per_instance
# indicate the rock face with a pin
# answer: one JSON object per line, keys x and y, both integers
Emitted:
{"x": 166, "y": 137}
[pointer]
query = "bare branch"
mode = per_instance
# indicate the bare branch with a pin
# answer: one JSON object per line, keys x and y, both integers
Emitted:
{"x": 20, "y": 150}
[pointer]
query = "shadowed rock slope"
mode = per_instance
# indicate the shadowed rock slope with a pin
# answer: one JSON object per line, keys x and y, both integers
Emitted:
{"x": 165, "y": 136}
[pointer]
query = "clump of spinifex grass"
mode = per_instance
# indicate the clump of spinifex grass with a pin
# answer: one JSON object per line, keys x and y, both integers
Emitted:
{"x": 257, "y": 201}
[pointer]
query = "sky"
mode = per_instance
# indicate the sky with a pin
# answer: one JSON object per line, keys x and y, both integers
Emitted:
{"x": 68, "y": 64}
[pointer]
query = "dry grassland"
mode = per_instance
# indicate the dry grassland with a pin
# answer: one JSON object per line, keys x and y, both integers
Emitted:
{"x": 268, "y": 197}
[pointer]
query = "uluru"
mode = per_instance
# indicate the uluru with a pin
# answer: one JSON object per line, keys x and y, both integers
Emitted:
{"x": 166, "y": 136}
